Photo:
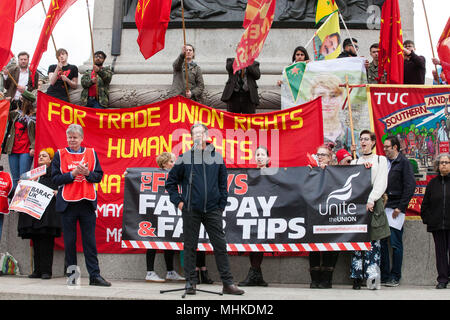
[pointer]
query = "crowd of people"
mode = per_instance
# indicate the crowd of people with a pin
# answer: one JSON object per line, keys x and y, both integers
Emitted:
{"x": 72, "y": 172}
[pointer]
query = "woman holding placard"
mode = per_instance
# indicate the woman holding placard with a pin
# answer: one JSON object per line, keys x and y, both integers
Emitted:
{"x": 43, "y": 231}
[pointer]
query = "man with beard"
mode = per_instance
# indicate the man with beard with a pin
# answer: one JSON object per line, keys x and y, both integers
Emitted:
{"x": 98, "y": 76}
{"x": 22, "y": 80}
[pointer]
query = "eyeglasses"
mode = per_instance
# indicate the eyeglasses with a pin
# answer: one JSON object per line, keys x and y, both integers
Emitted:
{"x": 386, "y": 147}
{"x": 323, "y": 155}
{"x": 444, "y": 162}
{"x": 364, "y": 139}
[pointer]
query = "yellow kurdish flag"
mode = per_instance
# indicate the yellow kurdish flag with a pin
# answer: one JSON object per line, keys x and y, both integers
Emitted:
{"x": 327, "y": 39}
{"x": 325, "y": 8}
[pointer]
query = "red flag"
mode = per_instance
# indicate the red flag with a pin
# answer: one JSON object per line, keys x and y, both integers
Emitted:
{"x": 10, "y": 12}
{"x": 55, "y": 11}
{"x": 390, "y": 57}
{"x": 255, "y": 34}
{"x": 22, "y": 6}
{"x": 443, "y": 50}
{"x": 7, "y": 15}
{"x": 152, "y": 18}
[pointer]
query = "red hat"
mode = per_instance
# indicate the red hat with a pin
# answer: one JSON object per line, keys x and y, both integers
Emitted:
{"x": 341, "y": 154}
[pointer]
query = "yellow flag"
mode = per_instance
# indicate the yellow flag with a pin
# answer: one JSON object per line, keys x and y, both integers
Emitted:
{"x": 325, "y": 8}
{"x": 327, "y": 39}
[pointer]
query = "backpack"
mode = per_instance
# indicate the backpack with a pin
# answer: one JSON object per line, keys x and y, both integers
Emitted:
{"x": 8, "y": 265}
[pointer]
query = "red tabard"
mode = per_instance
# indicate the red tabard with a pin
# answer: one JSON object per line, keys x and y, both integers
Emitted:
{"x": 80, "y": 188}
{"x": 5, "y": 188}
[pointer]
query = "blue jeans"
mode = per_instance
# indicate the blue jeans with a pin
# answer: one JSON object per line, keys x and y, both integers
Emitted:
{"x": 1, "y": 225}
{"x": 395, "y": 273}
{"x": 93, "y": 103}
{"x": 19, "y": 163}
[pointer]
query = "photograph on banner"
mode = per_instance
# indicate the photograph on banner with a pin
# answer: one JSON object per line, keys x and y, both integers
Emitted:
{"x": 327, "y": 39}
{"x": 134, "y": 137}
{"x": 307, "y": 209}
{"x": 419, "y": 116}
{"x": 31, "y": 198}
{"x": 324, "y": 79}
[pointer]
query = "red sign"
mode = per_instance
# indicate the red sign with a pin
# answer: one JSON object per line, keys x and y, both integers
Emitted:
{"x": 417, "y": 116}
{"x": 133, "y": 137}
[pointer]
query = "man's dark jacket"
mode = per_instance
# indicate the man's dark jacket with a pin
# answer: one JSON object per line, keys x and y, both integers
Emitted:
{"x": 435, "y": 210}
{"x": 209, "y": 180}
{"x": 253, "y": 74}
{"x": 401, "y": 184}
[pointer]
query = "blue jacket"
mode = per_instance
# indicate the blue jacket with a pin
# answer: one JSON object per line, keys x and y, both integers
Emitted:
{"x": 61, "y": 179}
{"x": 209, "y": 180}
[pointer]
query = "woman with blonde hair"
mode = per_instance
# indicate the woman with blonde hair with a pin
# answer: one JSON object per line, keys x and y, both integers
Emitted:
{"x": 334, "y": 130}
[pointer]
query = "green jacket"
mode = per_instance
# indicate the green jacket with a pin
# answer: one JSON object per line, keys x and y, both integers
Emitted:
{"x": 195, "y": 79}
{"x": 372, "y": 73}
{"x": 14, "y": 116}
{"x": 104, "y": 78}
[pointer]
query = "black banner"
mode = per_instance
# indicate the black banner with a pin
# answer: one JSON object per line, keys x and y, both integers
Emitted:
{"x": 274, "y": 209}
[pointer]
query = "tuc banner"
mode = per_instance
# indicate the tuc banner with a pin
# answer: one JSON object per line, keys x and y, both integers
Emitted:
{"x": 419, "y": 117}
{"x": 274, "y": 210}
{"x": 134, "y": 137}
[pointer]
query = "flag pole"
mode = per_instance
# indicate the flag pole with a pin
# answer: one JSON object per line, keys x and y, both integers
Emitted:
{"x": 350, "y": 115}
{"x": 315, "y": 32}
{"x": 429, "y": 36}
{"x": 184, "y": 39}
{"x": 92, "y": 49}
{"x": 350, "y": 37}
{"x": 56, "y": 50}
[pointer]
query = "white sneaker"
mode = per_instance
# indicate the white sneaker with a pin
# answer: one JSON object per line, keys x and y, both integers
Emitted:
{"x": 153, "y": 277}
{"x": 174, "y": 276}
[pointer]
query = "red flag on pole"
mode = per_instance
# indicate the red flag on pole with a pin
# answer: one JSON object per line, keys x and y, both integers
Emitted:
{"x": 7, "y": 18}
{"x": 152, "y": 18}
{"x": 255, "y": 33}
{"x": 390, "y": 56}
{"x": 55, "y": 12}
{"x": 443, "y": 50}
{"x": 22, "y": 6}
{"x": 10, "y": 12}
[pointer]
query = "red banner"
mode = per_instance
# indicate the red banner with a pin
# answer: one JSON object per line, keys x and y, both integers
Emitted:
{"x": 255, "y": 34}
{"x": 133, "y": 137}
{"x": 418, "y": 117}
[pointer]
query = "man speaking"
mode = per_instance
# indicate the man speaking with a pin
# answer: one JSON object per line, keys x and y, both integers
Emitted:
{"x": 202, "y": 175}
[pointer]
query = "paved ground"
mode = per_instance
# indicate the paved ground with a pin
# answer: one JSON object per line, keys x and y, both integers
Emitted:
{"x": 20, "y": 287}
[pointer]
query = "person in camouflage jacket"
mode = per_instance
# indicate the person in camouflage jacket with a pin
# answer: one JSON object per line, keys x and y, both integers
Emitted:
{"x": 88, "y": 81}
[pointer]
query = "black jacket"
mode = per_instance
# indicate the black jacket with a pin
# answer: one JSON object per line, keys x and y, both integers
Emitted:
{"x": 49, "y": 224}
{"x": 61, "y": 179}
{"x": 253, "y": 74}
{"x": 209, "y": 180}
{"x": 435, "y": 210}
{"x": 414, "y": 69}
{"x": 401, "y": 184}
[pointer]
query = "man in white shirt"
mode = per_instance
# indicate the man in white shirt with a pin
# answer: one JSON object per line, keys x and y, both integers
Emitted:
{"x": 22, "y": 77}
